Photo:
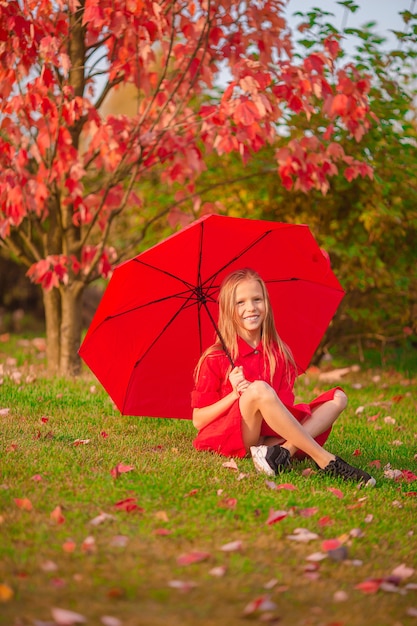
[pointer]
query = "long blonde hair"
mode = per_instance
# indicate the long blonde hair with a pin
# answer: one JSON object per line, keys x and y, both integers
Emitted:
{"x": 272, "y": 343}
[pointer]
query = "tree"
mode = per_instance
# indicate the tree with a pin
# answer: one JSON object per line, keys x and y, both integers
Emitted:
{"x": 69, "y": 174}
{"x": 369, "y": 227}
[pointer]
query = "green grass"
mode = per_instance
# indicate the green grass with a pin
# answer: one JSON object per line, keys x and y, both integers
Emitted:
{"x": 203, "y": 505}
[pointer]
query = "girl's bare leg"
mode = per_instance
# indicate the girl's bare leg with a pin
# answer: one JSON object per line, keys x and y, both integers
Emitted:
{"x": 323, "y": 417}
{"x": 259, "y": 401}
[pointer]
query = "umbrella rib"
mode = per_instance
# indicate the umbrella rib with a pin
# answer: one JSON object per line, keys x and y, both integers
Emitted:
{"x": 162, "y": 271}
{"x": 163, "y": 329}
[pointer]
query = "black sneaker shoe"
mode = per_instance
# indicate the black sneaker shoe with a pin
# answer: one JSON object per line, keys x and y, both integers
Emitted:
{"x": 270, "y": 460}
{"x": 340, "y": 468}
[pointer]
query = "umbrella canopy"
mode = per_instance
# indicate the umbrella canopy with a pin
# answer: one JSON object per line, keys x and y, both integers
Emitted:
{"x": 160, "y": 308}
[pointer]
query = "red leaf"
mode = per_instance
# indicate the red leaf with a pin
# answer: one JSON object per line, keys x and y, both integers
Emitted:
{"x": 308, "y": 512}
{"x": 370, "y": 586}
{"x": 287, "y": 486}
{"x": 336, "y": 492}
{"x": 129, "y": 505}
{"x": 24, "y": 503}
{"x": 57, "y": 516}
{"x": 228, "y": 503}
{"x": 275, "y": 516}
{"x": 192, "y": 557}
{"x": 121, "y": 468}
{"x": 191, "y": 493}
{"x": 408, "y": 476}
{"x": 330, "y": 544}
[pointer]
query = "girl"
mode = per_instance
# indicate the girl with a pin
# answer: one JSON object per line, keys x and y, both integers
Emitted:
{"x": 250, "y": 407}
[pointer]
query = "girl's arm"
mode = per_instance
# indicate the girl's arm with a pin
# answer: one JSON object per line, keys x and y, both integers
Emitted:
{"x": 207, "y": 414}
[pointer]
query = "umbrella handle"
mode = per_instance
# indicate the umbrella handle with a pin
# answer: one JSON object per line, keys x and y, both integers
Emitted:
{"x": 229, "y": 356}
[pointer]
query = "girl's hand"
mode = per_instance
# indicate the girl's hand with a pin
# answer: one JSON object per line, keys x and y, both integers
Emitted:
{"x": 238, "y": 381}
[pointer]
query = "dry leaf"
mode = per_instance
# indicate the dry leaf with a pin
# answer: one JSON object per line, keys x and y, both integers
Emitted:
{"x": 62, "y": 617}
{"x": 24, "y": 503}
{"x": 6, "y": 593}
{"x": 192, "y": 557}
{"x": 232, "y": 546}
{"x": 230, "y": 465}
{"x": 303, "y": 535}
{"x": 108, "y": 620}
{"x": 262, "y": 603}
{"x": 57, "y": 516}
{"x": 218, "y": 571}
{"x": 275, "y": 516}
{"x": 121, "y": 468}
{"x": 182, "y": 585}
{"x": 99, "y": 519}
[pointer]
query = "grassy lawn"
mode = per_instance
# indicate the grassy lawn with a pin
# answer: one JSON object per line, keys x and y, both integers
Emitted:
{"x": 174, "y": 536}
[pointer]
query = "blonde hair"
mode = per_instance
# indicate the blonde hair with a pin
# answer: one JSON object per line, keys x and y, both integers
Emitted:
{"x": 272, "y": 343}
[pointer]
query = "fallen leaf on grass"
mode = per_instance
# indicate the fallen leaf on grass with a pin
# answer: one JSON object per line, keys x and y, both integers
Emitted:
{"x": 63, "y": 617}
{"x": 56, "y": 515}
{"x": 402, "y": 571}
{"x": 336, "y": 492}
{"x": 119, "y": 541}
{"x": 89, "y": 545}
{"x": 49, "y": 566}
{"x": 191, "y": 493}
{"x": 129, "y": 505}
{"x": 161, "y": 532}
{"x": 24, "y": 503}
{"x": 412, "y": 611}
{"x": 182, "y": 585}
{"x": 308, "y": 512}
{"x": 36, "y": 478}
{"x": 80, "y": 442}
{"x": 121, "y": 468}
{"x": 218, "y": 571}
{"x": 326, "y": 521}
{"x": 4, "y": 412}
{"x": 109, "y": 620}
{"x": 316, "y": 557}
{"x": 370, "y": 586}
{"x": 286, "y": 486}
{"x": 232, "y": 546}
{"x": 340, "y": 596}
{"x": 275, "y": 516}
{"x": 69, "y": 546}
{"x": 303, "y": 535}
{"x": 6, "y": 593}
{"x": 227, "y": 503}
{"x": 330, "y": 544}
{"x": 192, "y": 557}
{"x": 102, "y": 517}
{"x": 230, "y": 465}
{"x": 262, "y": 603}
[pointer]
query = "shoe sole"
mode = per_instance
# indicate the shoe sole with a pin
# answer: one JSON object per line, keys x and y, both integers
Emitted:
{"x": 371, "y": 482}
{"x": 260, "y": 463}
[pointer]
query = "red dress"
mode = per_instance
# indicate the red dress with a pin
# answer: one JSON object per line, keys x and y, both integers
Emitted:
{"x": 224, "y": 434}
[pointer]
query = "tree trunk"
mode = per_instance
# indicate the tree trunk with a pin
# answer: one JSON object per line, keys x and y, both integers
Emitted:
{"x": 71, "y": 328}
{"x": 52, "y": 305}
{"x": 63, "y": 317}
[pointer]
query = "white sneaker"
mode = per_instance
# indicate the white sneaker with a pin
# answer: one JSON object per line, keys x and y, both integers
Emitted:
{"x": 270, "y": 460}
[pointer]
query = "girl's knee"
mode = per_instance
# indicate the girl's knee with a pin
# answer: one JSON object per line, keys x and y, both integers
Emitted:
{"x": 259, "y": 389}
{"x": 340, "y": 398}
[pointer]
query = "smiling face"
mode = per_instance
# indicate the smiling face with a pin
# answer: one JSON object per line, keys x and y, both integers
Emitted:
{"x": 250, "y": 310}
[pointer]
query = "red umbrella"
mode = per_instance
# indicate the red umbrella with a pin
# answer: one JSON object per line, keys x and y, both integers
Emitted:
{"x": 159, "y": 310}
